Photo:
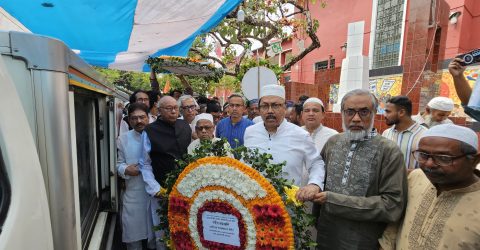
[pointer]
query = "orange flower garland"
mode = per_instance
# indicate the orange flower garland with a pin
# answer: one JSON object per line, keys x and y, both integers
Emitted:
{"x": 225, "y": 185}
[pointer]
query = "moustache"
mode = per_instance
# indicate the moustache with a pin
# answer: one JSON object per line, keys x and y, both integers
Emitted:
{"x": 270, "y": 117}
{"x": 432, "y": 172}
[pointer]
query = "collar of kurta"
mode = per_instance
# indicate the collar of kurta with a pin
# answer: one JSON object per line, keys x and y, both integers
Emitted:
{"x": 316, "y": 131}
{"x": 137, "y": 134}
{"x": 279, "y": 129}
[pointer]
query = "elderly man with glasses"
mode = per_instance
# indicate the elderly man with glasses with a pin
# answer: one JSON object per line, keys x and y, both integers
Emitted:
{"x": 163, "y": 142}
{"x": 286, "y": 142}
{"x": 443, "y": 195}
{"x": 188, "y": 108}
{"x": 204, "y": 128}
{"x": 365, "y": 184}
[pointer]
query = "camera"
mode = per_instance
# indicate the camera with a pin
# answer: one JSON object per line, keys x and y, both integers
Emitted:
{"x": 470, "y": 57}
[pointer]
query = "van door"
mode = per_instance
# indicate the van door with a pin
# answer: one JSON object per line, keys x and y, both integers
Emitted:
{"x": 26, "y": 223}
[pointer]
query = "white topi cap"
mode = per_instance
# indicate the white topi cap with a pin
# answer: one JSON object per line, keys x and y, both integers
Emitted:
{"x": 441, "y": 103}
{"x": 203, "y": 116}
{"x": 272, "y": 90}
{"x": 454, "y": 132}
{"x": 314, "y": 100}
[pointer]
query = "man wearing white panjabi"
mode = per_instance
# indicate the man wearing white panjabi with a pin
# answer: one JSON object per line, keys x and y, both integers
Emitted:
{"x": 134, "y": 198}
{"x": 437, "y": 111}
{"x": 286, "y": 142}
{"x": 204, "y": 127}
{"x": 312, "y": 116}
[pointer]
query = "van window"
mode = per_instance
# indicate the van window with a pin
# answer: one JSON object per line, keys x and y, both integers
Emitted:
{"x": 85, "y": 123}
{"x": 5, "y": 192}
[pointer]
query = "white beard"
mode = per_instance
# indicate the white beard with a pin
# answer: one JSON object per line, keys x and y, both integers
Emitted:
{"x": 357, "y": 135}
{"x": 428, "y": 120}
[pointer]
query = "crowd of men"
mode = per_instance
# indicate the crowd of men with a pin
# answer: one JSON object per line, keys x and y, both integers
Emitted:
{"x": 415, "y": 186}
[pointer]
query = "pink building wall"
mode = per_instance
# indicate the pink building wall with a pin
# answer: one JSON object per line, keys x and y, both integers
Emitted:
{"x": 465, "y": 35}
{"x": 332, "y": 33}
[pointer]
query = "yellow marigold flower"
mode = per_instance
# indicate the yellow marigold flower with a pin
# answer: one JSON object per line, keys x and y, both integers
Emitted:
{"x": 291, "y": 192}
{"x": 169, "y": 244}
{"x": 163, "y": 191}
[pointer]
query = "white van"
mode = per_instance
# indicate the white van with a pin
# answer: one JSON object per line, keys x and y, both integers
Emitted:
{"x": 57, "y": 147}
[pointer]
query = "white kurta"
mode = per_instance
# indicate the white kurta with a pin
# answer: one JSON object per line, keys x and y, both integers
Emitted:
{"x": 291, "y": 144}
{"x": 134, "y": 199}
{"x": 321, "y": 135}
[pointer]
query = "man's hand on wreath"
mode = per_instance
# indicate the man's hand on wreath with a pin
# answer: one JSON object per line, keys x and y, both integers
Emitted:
{"x": 320, "y": 198}
{"x": 307, "y": 193}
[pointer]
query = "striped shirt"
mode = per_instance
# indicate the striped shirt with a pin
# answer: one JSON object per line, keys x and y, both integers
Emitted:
{"x": 407, "y": 140}
{"x": 225, "y": 129}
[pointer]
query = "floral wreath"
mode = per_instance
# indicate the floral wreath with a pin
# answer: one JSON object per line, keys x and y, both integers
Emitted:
{"x": 209, "y": 193}
{"x": 185, "y": 66}
{"x": 206, "y": 185}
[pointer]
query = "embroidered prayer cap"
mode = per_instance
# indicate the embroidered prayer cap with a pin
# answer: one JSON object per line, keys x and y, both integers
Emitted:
{"x": 314, "y": 100}
{"x": 273, "y": 90}
{"x": 251, "y": 102}
{"x": 441, "y": 103}
{"x": 203, "y": 116}
{"x": 290, "y": 103}
{"x": 454, "y": 132}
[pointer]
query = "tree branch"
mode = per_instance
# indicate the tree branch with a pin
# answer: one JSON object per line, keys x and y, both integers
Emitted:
{"x": 208, "y": 57}
{"x": 293, "y": 14}
{"x": 183, "y": 81}
{"x": 315, "y": 44}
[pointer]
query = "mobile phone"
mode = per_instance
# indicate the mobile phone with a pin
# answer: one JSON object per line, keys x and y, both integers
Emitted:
{"x": 470, "y": 57}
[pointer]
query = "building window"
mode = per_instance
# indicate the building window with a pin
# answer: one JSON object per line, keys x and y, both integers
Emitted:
{"x": 273, "y": 60}
{"x": 287, "y": 79}
{"x": 431, "y": 20}
{"x": 321, "y": 65}
{"x": 332, "y": 63}
{"x": 286, "y": 58}
{"x": 388, "y": 32}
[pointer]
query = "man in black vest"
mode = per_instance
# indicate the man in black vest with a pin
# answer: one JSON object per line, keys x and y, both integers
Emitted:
{"x": 163, "y": 141}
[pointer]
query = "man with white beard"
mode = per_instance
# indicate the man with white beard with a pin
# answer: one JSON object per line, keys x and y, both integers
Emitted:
{"x": 437, "y": 111}
{"x": 365, "y": 186}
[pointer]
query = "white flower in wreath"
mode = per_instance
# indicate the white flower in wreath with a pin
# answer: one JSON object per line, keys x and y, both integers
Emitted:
{"x": 206, "y": 175}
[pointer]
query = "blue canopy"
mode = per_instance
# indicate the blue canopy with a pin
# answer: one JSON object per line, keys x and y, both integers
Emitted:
{"x": 121, "y": 34}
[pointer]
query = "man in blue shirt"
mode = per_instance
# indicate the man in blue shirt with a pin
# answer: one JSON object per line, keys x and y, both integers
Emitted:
{"x": 233, "y": 127}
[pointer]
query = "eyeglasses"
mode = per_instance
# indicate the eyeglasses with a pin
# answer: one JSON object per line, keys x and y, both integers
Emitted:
{"x": 206, "y": 128}
{"x": 235, "y": 105}
{"x": 275, "y": 106}
{"x": 440, "y": 160}
{"x": 363, "y": 113}
{"x": 141, "y": 117}
{"x": 170, "y": 109}
{"x": 142, "y": 100}
{"x": 189, "y": 108}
